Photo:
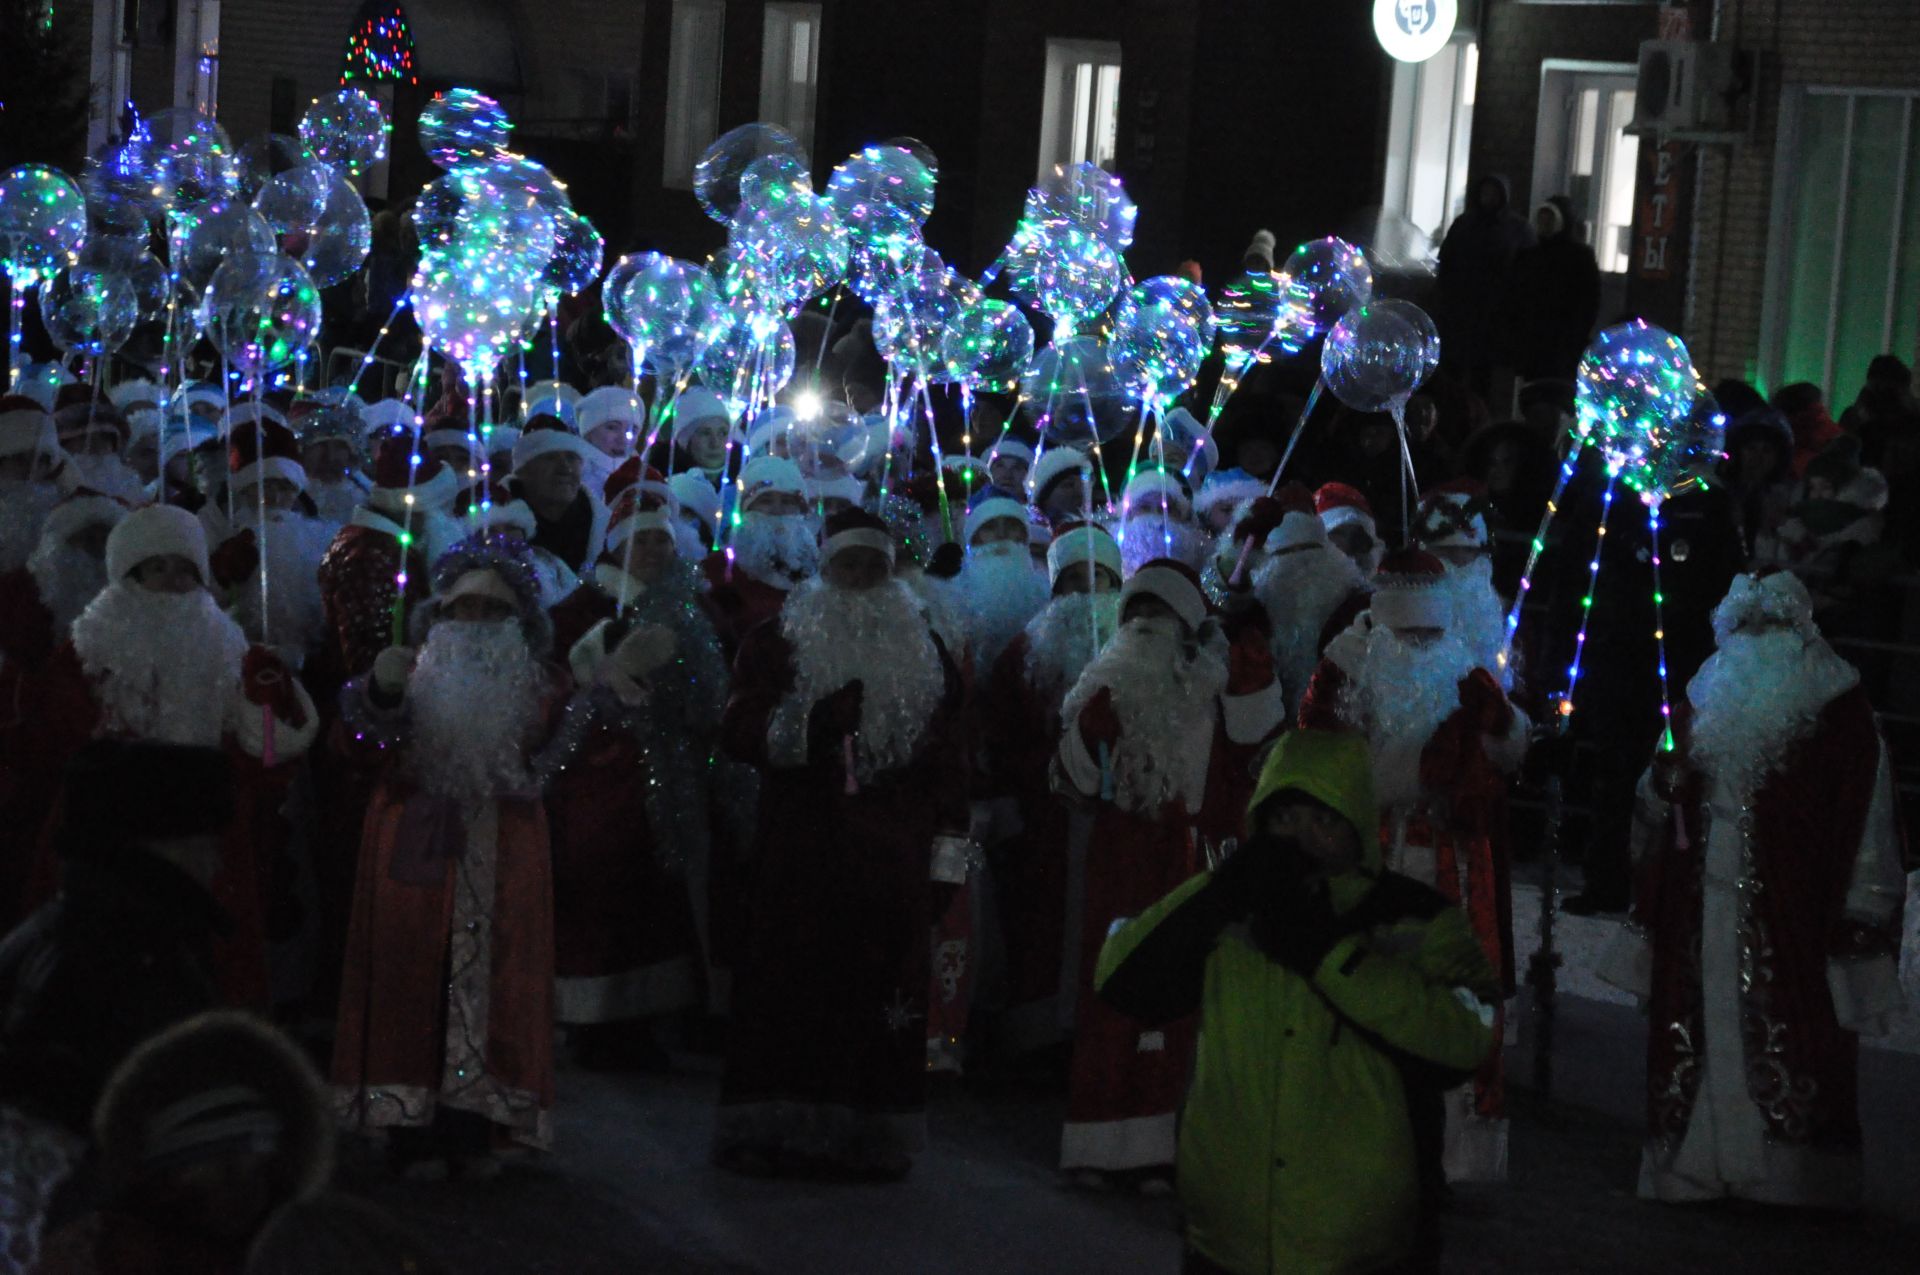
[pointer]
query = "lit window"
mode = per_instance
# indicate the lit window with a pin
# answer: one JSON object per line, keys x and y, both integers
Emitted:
{"x": 693, "y": 86}
{"x": 790, "y": 68}
{"x": 1430, "y": 126}
{"x": 1080, "y": 113}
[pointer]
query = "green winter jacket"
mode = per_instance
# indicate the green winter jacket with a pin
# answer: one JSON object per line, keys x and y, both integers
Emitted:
{"x": 1297, "y": 1148}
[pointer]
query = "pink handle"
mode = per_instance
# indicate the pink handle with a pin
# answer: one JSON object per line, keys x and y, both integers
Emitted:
{"x": 1239, "y": 576}
{"x": 846, "y": 759}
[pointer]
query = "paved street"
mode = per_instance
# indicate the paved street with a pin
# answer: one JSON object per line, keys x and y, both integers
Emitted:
{"x": 628, "y": 1189}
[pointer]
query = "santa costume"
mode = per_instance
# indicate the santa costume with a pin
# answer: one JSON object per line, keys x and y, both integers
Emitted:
{"x": 30, "y": 456}
{"x": 1444, "y": 739}
{"x": 171, "y": 667}
{"x": 1311, "y": 591}
{"x": 1451, "y": 524}
{"x": 446, "y": 1008}
{"x": 773, "y": 549}
{"x": 998, "y": 589}
{"x": 847, "y": 705}
{"x": 1347, "y": 515}
{"x": 1039, "y": 857}
{"x": 631, "y": 816}
{"x": 38, "y": 605}
{"x": 266, "y": 555}
{"x": 1156, "y": 521}
{"x": 1158, "y": 735}
{"x": 1766, "y": 919}
{"x": 333, "y": 451}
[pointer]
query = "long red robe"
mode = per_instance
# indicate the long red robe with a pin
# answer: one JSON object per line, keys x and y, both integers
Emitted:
{"x": 447, "y": 994}
{"x": 1127, "y": 1080}
{"x": 625, "y": 943}
{"x": 827, "y": 1054}
{"x": 1038, "y": 867}
{"x": 1774, "y": 918}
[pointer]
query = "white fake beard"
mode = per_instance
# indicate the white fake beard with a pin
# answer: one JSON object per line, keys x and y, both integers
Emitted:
{"x": 474, "y": 702}
{"x": 164, "y": 665}
{"x": 295, "y": 618}
{"x": 23, "y": 515}
{"x": 880, "y": 637}
{"x": 110, "y": 475}
{"x": 1150, "y": 536}
{"x": 1479, "y": 614}
{"x": 68, "y": 579}
{"x": 1301, "y": 591}
{"x": 1756, "y": 695}
{"x": 997, "y": 593}
{"x": 335, "y": 498}
{"x": 776, "y": 550}
{"x": 1404, "y": 692}
{"x": 1064, "y": 638}
{"x": 1164, "y": 693}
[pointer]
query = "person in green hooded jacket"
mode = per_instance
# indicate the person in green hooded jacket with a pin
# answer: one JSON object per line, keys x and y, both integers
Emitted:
{"x": 1338, "y": 1002}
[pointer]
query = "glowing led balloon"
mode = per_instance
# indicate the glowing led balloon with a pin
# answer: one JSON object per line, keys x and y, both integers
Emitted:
{"x": 666, "y": 310}
{"x": 910, "y": 324}
{"x": 881, "y": 177}
{"x": 463, "y": 213}
{"x": 118, "y": 184}
{"x": 43, "y": 223}
{"x": 774, "y": 179}
{"x": 828, "y": 440}
{"x": 1162, "y": 333}
{"x": 346, "y": 130}
{"x": 221, "y": 231}
{"x": 130, "y": 260}
{"x": 265, "y": 158}
{"x": 1633, "y": 377}
{"x": 783, "y": 253}
{"x": 194, "y": 165}
{"x": 519, "y": 176}
{"x": 718, "y": 175}
{"x": 1088, "y": 197}
{"x": 1675, "y": 455}
{"x": 749, "y": 360}
{"x": 578, "y": 252}
{"x": 463, "y": 126}
{"x": 1325, "y": 279}
{"x": 1071, "y": 393}
{"x": 293, "y": 200}
{"x": 988, "y": 347}
{"x": 341, "y": 237}
{"x": 1378, "y": 355}
{"x": 1075, "y": 278}
{"x": 1249, "y": 316}
{"x": 474, "y": 308}
{"x": 90, "y": 312}
{"x": 260, "y": 310}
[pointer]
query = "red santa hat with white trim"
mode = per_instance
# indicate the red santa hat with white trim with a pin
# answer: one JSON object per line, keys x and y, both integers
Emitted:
{"x": 386, "y": 415}
{"x": 1452, "y": 516}
{"x": 992, "y": 509}
{"x": 640, "y": 499}
{"x": 261, "y": 449}
{"x": 80, "y": 508}
{"x": 26, "y": 428}
{"x": 1409, "y": 592}
{"x": 546, "y": 435}
{"x": 445, "y": 424}
{"x": 1053, "y": 465}
{"x": 1079, "y": 543}
{"x": 1174, "y": 583}
{"x": 610, "y": 405}
{"x": 156, "y": 531}
{"x": 399, "y": 472}
{"x": 495, "y": 508}
{"x": 1341, "y": 506}
{"x": 854, "y": 529}
{"x": 695, "y": 495}
{"x": 1300, "y": 527}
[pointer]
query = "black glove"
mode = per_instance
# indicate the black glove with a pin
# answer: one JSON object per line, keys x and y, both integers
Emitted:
{"x": 832, "y": 719}
{"x": 947, "y": 561}
{"x": 1297, "y": 926}
{"x": 1261, "y": 870}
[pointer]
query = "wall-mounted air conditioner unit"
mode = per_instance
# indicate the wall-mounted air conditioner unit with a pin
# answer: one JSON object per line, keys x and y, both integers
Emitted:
{"x": 1695, "y": 91}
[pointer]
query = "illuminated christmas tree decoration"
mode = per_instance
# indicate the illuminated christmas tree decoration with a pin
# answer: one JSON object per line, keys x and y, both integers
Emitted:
{"x": 380, "y": 50}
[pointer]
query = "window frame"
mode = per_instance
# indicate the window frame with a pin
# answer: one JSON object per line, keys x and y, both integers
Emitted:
{"x": 1059, "y": 125}
{"x": 684, "y": 138}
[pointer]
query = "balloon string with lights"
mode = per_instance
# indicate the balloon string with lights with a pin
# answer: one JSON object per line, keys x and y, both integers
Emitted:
{"x": 1565, "y": 700}
{"x": 1535, "y": 548}
{"x": 1660, "y": 627}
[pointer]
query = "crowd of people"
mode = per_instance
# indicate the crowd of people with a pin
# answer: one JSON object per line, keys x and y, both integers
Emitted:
{"x": 424, "y": 731}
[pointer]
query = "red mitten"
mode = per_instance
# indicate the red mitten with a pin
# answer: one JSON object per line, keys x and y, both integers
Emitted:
{"x": 1486, "y": 704}
{"x": 237, "y": 558}
{"x": 1262, "y": 516}
{"x": 266, "y": 680}
{"x": 1243, "y": 618}
{"x": 1099, "y": 724}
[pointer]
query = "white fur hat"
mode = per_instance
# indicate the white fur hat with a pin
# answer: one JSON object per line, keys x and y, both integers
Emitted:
{"x": 696, "y": 496}
{"x": 1054, "y": 464}
{"x": 1776, "y": 597}
{"x": 138, "y": 390}
{"x": 544, "y": 440}
{"x": 836, "y": 487}
{"x": 1151, "y": 482}
{"x": 1407, "y": 592}
{"x": 610, "y": 404}
{"x": 770, "y": 474}
{"x": 387, "y": 413}
{"x": 153, "y": 532}
{"x": 992, "y": 509}
{"x": 83, "y": 507}
{"x": 698, "y": 403}
{"x": 26, "y": 428}
{"x": 1174, "y": 583}
{"x": 1079, "y": 544}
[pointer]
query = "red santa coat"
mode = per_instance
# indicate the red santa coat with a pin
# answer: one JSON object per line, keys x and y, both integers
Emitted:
{"x": 738, "y": 603}
{"x": 1128, "y": 1080}
{"x": 827, "y": 1052}
{"x": 1035, "y": 871}
{"x": 447, "y": 993}
{"x": 70, "y": 714}
{"x": 27, "y": 781}
{"x": 625, "y": 941}
{"x": 1774, "y": 921}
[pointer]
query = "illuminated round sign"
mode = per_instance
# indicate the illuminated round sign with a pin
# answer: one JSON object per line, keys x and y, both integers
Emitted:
{"x": 1414, "y": 30}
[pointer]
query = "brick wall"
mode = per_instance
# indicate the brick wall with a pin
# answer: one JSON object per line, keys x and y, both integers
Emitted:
{"x": 1862, "y": 43}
